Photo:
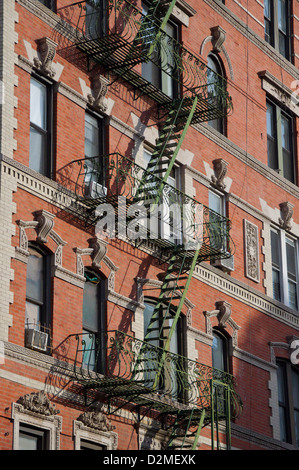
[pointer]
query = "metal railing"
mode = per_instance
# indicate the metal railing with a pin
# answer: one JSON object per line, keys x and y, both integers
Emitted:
{"x": 166, "y": 215}
{"x": 120, "y": 36}
{"x": 119, "y": 364}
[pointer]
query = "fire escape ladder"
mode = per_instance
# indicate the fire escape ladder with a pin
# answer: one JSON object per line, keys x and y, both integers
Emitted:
{"x": 167, "y": 147}
{"x": 185, "y": 420}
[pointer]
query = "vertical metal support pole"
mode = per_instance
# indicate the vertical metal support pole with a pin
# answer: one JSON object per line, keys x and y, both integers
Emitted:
{"x": 212, "y": 414}
{"x": 228, "y": 419}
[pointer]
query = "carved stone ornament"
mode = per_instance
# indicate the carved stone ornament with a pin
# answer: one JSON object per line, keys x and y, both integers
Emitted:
{"x": 251, "y": 250}
{"x": 286, "y": 212}
{"x": 46, "y": 53}
{"x": 96, "y": 419}
{"x": 99, "y": 248}
{"x": 218, "y": 38}
{"x": 99, "y": 92}
{"x": 225, "y": 311}
{"x": 45, "y": 225}
{"x": 220, "y": 170}
{"x": 38, "y": 402}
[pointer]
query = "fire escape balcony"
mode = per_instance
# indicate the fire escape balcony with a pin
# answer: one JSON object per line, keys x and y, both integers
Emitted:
{"x": 167, "y": 217}
{"x": 119, "y": 365}
{"x": 118, "y": 36}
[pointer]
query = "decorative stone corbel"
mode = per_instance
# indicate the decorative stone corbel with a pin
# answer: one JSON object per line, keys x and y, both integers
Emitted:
{"x": 286, "y": 212}
{"x": 38, "y": 402}
{"x": 46, "y": 53}
{"x": 224, "y": 312}
{"x": 96, "y": 419}
{"x": 220, "y": 170}
{"x": 45, "y": 225}
{"x": 98, "y": 94}
{"x": 218, "y": 38}
{"x": 99, "y": 248}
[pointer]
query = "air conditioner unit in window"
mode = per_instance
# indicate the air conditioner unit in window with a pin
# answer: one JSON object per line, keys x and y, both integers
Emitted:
{"x": 95, "y": 190}
{"x": 36, "y": 339}
{"x": 226, "y": 264}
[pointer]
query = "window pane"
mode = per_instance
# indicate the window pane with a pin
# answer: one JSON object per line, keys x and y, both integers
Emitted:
{"x": 218, "y": 351}
{"x": 38, "y": 94}
{"x": 267, "y": 11}
{"x": 91, "y": 136}
{"x": 282, "y": 401}
{"x": 27, "y": 442}
{"x": 270, "y": 120}
{"x": 275, "y": 248}
{"x": 35, "y": 277}
{"x": 215, "y": 202}
{"x": 37, "y": 151}
{"x": 285, "y": 132}
{"x": 291, "y": 257}
{"x": 90, "y": 306}
{"x": 148, "y": 312}
{"x": 32, "y": 314}
{"x": 282, "y": 15}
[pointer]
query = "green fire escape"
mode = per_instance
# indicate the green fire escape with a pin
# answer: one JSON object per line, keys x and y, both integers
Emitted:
{"x": 119, "y": 37}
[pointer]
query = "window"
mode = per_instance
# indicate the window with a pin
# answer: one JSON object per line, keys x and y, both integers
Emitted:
{"x": 280, "y": 146}
{"x": 160, "y": 70}
{"x": 217, "y": 204}
{"x": 277, "y": 14}
{"x": 215, "y": 73}
{"x": 95, "y": 18}
{"x": 220, "y": 351}
{"x": 94, "y": 321}
{"x": 38, "y": 298}
{"x": 288, "y": 398}
{"x": 86, "y": 445}
{"x": 49, "y": 4}
{"x": 166, "y": 220}
{"x": 284, "y": 253}
{"x": 40, "y": 154}
{"x": 94, "y": 167}
{"x": 31, "y": 438}
{"x": 158, "y": 329}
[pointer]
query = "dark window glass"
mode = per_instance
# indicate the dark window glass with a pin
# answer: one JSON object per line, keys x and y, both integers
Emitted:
{"x": 280, "y": 146}
{"x": 94, "y": 321}
{"x": 219, "y": 351}
{"x": 87, "y": 445}
{"x": 288, "y": 399}
{"x": 214, "y": 80}
{"x": 31, "y": 438}
{"x": 38, "y": 298}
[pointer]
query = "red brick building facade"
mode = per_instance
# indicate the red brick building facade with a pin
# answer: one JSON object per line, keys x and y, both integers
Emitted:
{"x": 133, "y": 339}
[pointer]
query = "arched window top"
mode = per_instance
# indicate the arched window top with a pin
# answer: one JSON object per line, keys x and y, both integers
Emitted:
{"x": 220, "y": 350}
{"x": 215, "y": 64}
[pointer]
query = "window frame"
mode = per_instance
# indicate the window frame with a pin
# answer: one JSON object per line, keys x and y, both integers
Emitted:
{"x": 277, "y": 140}
{"x": 48, "y": 157}
{"x": 282, "y": 267}
{"x": 100, "y": 174}
{"x": 45, "y": 317}
{"x": 162, "y": 76}
{"x": 41, "y": 434}
{"x": 225, "y": 341}
{"x": 273, "y": 21}
{"x": 101, "y": 331}
{"x": 218, "y": 124}
{"x": 288, "y": 405}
